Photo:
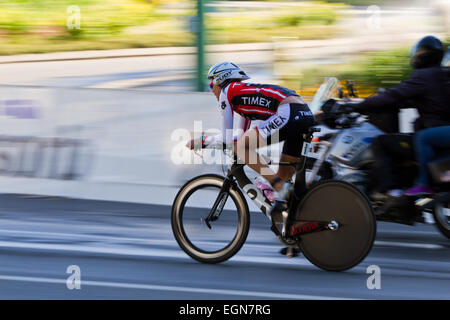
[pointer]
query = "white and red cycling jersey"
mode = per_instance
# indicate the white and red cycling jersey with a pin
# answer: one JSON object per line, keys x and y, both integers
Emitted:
{"x": 252, "y": 102}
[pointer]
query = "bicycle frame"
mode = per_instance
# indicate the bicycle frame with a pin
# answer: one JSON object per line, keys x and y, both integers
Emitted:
{"x": 306, "y": 211}
{"x": 236, "y": 177}
{"x": 237, "y": 174}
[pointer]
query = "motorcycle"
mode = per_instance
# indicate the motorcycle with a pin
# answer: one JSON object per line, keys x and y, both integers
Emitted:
{"x": 344, "y": 153}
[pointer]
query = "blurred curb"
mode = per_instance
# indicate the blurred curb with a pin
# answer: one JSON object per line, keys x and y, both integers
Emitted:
{"x": 129, "y": 53}
{"x": 94, "y": 54}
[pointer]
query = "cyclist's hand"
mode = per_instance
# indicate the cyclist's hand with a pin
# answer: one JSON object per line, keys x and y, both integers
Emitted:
{"x": 190, "y": 144}
{"x": 194, "y": 144}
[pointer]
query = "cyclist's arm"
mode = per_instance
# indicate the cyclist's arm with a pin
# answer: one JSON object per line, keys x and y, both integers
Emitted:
{"x": 244, "y": 125}
{"x": 226, "y": 136}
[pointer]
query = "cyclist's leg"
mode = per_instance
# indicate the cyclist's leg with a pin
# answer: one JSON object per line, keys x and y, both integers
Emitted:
{"x": 286, "y": 172}
{"x": 298, "y": 124}
{"x": 290, "y": 121}
{"x": 246, "y": 151}
{"x": 267, "y": 132}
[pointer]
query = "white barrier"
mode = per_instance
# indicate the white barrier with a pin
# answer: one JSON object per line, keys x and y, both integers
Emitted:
{"x": 99, "y": 144}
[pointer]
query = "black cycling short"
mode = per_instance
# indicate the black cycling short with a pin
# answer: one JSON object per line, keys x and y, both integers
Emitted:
{"x": 289, "y": 124}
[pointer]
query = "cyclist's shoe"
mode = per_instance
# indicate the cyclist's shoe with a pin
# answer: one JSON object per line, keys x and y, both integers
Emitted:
{"x": 277, "y": 210}
{"x": 280, "y": 208}
{"x": 278, "y": 214}
{"x": 290, "y": 252}
{"x": 267, "y": 190}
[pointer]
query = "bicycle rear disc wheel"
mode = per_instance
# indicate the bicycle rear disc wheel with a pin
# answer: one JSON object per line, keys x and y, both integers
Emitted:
{"x": 347, "y": 246}
{"x": 227, "y": 234}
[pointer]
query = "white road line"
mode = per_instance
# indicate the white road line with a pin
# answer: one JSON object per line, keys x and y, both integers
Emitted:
{"x": 409, "y": 245}
{"x": 245, "y": 293}
{"x": 161, "y": 253}
{"x": 173, "y": 242}
{"x": 149, "y": 241}
{"x": 174, "y": 253}
{"x": 80, "y": 236}
{"x": 243, "y": 257}
{"x": 93, "y": 249}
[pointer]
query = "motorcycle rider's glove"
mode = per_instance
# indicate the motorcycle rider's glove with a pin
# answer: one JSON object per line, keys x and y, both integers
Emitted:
{"x": 341, "y": 108}
{"x": 331, "y": 107}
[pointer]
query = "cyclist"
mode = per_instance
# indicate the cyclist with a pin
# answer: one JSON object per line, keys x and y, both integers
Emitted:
{"x": 283, "y": 114}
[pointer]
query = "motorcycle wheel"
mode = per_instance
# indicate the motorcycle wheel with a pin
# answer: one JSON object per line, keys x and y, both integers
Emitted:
{"x": 441, "y": 215}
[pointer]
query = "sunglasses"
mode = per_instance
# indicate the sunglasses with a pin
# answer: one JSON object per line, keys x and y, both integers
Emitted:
{"x": 211, "y": 85}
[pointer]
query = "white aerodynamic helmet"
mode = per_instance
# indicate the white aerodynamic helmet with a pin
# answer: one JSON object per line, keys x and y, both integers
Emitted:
{"x": 223, "y": 71}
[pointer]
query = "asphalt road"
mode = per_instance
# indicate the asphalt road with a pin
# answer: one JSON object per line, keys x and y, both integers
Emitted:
{"x": 127, "y": 251}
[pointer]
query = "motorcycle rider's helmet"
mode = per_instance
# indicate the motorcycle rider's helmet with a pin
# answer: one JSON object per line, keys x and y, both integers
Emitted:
{"x": 428, "y": 52}
{"x": 223, "y": 73}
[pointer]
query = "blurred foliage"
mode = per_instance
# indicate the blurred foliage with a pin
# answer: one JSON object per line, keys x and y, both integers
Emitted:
{"x": 372, "y": 70}
{"x": 369, "y": 71}
{"x": 384, "y": 69}
{"x": 370, "y": 2}
{"x": 34, "y": 26}
{"x": 381, "y": 69}
{"x": 307, "y": 20}
{"x": 317, "y": 14}
{"x": 348, "y": 2}
{"x": 97, "y": 16}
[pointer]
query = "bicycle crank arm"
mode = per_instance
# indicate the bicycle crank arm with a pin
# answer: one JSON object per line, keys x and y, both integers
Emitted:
{"x": 304, "y": 227}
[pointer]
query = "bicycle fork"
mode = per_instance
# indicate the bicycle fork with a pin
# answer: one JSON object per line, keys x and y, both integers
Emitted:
{"x": 219, "y": 204}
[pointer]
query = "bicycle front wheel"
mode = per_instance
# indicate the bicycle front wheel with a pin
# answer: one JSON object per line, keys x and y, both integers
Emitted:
{"x": 225, "y": 235}
{"x": 347, "y": 245}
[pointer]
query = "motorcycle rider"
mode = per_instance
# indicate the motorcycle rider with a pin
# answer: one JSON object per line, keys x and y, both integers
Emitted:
{"x": 425, "y": 143}
{"x": 429, "y": 91}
